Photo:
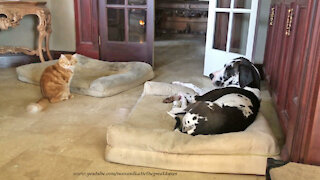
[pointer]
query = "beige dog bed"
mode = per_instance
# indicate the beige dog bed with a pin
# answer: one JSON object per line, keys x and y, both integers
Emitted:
{"x": 147, "y": 139}
{"x": 93, "y": 77}
{"x": 295, "y": 171}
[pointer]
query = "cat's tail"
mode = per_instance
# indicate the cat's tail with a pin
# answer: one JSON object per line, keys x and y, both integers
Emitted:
{"x": 38, "y": 106}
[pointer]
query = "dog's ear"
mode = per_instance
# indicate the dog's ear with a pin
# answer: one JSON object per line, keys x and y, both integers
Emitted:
{"x": 248, "y": 75}
{"x": 245, "y": 75}
{"x": 191, "y": 106}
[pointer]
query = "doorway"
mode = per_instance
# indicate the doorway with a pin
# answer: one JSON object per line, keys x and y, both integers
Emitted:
{"x": 181, "y": 20}
{"x": 231, "y": 32}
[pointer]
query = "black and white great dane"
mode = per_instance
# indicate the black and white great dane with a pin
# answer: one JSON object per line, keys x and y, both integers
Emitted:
{"x": 231, "y": 106}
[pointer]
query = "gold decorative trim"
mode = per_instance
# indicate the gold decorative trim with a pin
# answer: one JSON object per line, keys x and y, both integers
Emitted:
{"x": 289, "y": 22}
{"x": 272, "y": 13}
{"x": 15, "y": 50}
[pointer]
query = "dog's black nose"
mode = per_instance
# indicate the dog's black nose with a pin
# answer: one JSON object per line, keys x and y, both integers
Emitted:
{"x": 211, "y": 76}
{"x": 218, "y": 83}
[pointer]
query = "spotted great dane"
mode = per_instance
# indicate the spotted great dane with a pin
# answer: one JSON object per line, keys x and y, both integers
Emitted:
{"x": 231, "y": 106}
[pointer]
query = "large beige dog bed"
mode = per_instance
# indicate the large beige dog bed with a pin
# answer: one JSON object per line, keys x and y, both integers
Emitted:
{"x": 147, "y": 139}
{"x": 93, "y": 77}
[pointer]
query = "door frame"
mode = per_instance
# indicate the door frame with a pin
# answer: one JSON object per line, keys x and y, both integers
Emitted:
{"x": 86, "y": 26}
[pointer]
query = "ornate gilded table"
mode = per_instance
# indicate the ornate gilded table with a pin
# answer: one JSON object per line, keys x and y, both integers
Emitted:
{"x": 11, "y": 12}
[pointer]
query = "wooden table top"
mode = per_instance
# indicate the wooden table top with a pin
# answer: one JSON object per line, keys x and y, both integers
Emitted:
{"x": 22, "y": 2}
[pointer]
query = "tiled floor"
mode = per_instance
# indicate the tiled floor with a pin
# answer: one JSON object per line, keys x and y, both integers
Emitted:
{"x": 67, "y": 140}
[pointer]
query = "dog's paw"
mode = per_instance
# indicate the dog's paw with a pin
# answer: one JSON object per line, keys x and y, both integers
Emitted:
{"x": 171, "y": 114}
{"x": 172, "y": 99}
{"x": 177, "y": 104}
{"x": 169, "y": 99}
{"x": 176, "y": 110}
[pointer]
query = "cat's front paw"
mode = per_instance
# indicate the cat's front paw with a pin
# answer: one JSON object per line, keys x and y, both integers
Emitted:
{"x": 70, "y": 96}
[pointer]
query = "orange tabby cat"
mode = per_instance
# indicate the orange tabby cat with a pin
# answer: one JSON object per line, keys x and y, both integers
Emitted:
{"x": 55, "y": 83}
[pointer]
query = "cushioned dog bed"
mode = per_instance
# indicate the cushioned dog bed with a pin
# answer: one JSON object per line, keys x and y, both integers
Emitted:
{"x": 93, "y": 77}
{"x": 147, "y": 139}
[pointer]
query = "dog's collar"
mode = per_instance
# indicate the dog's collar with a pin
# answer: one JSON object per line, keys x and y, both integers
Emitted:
{"x": 255, "y": 91}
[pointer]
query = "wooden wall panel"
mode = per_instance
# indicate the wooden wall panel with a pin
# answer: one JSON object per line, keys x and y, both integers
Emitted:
{"x": 293, "y": 71}
{"x": 87, "y": 35}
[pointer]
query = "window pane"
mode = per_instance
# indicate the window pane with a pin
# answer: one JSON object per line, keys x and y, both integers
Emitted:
{"x": 115, "y": 24}
{"x": 239, "y": 35}
{"x": 246, "y": 4}
{"x": 221, "y": 31}
{"x": 137, "y": 25}
{"x": 115, "y": 1}
{"x": 223, "y": 3}
{"x": 137, "y": 2}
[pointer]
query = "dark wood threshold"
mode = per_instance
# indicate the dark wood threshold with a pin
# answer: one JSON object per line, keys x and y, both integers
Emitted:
{"x": 15, "y": 60}
{"x": 273, "y": 163}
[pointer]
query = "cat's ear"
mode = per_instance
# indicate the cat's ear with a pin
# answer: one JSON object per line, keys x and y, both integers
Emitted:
{"x": 62, "y": 56}
{"x": 74, "y": 55}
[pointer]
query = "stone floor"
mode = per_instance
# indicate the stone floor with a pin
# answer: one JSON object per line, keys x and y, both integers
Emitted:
{"x": 67, "y": 140}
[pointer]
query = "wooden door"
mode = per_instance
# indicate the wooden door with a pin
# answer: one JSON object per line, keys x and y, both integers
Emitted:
{"x": 86, "y": 18}
{"x": 126, "y": 30}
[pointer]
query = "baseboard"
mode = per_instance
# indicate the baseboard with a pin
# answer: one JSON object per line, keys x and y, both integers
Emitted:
{"x": 14, "y": 60}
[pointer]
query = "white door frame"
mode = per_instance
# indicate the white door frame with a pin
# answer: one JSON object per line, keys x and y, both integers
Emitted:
{"x": 215, "y": 58}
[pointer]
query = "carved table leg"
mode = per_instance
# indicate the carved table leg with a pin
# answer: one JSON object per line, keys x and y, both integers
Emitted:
{"x": 49, "y": 30}
{"x": 47, "y": 46}
{"x": 40, "y": 43}
{"x": 42, "y": 32}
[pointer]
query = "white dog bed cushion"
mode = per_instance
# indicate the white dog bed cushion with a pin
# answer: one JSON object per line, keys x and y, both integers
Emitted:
{"x": 93, "y": 77}
{"x": 147, "y": 139}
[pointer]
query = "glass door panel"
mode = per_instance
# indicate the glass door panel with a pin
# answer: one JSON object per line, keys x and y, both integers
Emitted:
{"x": 221, "y": 31}
{"x": 115, "y": 24}
{"x": 239, "y": 34}
{"x": 137, "y": 25}
{"x": 245, "y": 4}
{"x": 137, "y": 2}
{"x": 223, "y": 3}
{"x": 114, "y": 1}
